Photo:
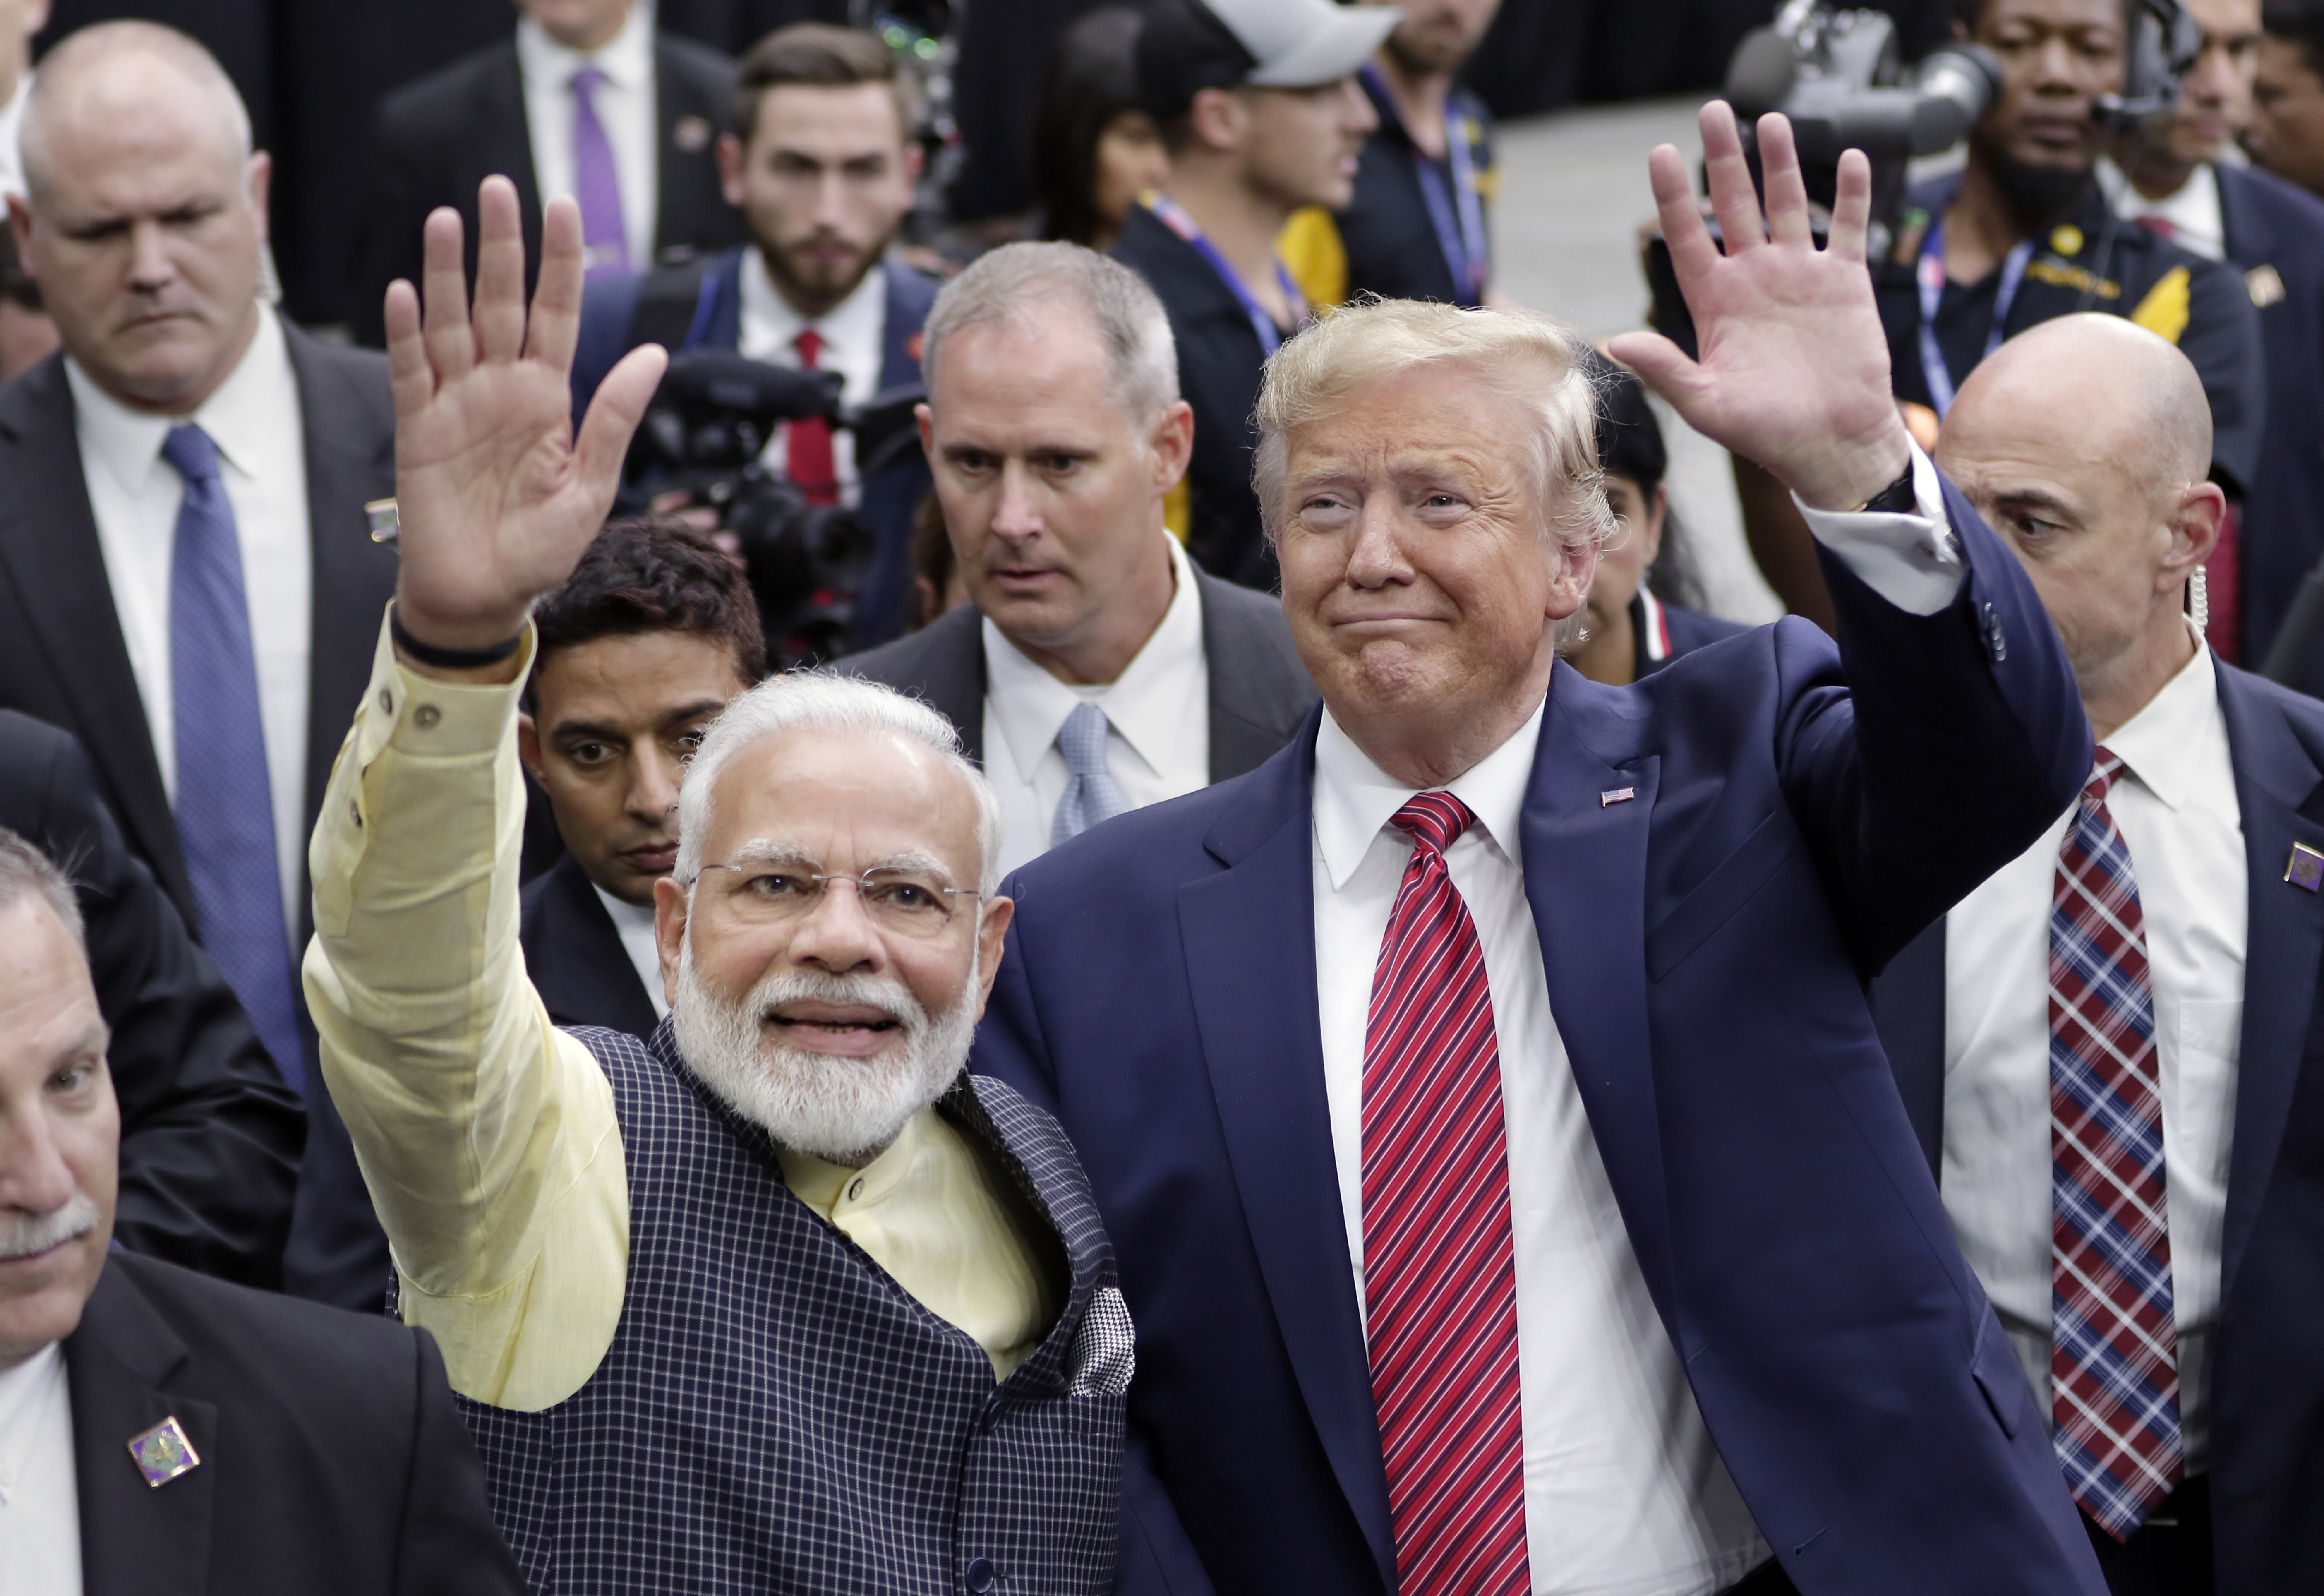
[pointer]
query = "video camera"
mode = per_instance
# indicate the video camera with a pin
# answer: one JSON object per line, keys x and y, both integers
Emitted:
{"x": 702, "y": 435}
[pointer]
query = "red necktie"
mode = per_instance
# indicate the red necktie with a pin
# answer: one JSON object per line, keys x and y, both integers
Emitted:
{"x": 807, "y": 447}
{"x": 2163, "y": 228}
{"x": 1440, "y": 1274}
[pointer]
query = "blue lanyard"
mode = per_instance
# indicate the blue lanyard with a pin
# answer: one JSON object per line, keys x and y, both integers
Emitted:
{"x": 1174, "y": 216}
{"x": 1458, "y": 218}
{"x": 1931, "y": 272}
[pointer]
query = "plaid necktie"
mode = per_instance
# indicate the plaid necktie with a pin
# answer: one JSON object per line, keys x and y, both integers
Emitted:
{"x": 596, "y": 180}
{"x": 1440, "y": 1269}
{"x": 2114, "y": 1358}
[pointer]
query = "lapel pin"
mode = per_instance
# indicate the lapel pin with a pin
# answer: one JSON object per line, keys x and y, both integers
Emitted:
{"x": 1620, "y": 795}
{"x": 2306, "y": 870}
{"x": 691, "y": 135}
{"x": 163, "y": 1453}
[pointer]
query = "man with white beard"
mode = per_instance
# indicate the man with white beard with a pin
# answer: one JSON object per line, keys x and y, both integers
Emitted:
{"x": 781, "y": 1299}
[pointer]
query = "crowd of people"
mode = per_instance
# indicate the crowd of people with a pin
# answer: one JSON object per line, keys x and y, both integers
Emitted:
{"x": 1278, "y": 1005}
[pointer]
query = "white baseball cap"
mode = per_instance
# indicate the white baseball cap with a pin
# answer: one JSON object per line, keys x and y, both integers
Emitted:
{"x": 1186, "y": 46}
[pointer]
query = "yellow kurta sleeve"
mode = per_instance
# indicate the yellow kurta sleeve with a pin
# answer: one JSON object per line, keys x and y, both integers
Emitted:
{"x": 486, "y": 1135}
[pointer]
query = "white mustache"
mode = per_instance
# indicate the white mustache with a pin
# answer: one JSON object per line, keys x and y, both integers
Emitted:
{"x": 22, "y": 1236}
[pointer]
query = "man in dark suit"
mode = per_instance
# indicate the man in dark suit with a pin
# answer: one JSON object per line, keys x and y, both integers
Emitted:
{"x": 648, "y": 640}
{"x": 210, "y": 1136}
{"x": 824, "y": 164}
{"x": 158, "y": 1423}
{"x": 2172, "y": 181}
{"x": 186, "y": 572}
{"x": 1095, "y": 668}
{"x": 2203, "y": 818}
{"x": 587, "y": 89}
{"x": 1274, "y": 1016}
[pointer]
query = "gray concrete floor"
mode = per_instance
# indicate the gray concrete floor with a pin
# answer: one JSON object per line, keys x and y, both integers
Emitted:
{"x": 1574, "y": 195}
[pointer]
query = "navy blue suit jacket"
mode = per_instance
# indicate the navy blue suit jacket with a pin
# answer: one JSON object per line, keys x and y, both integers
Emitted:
{"x": 2267, "y": 1378}
{"x": 1802, "y": 812}
{"x": 889, "y": 495}
{"x": 2275, "y": 233}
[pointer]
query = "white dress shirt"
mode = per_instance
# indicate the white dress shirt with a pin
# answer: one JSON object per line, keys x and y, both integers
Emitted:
{"x": 11, "y": 120}
{"x": 855, "y": 345}
{"x": 40, "y": 1502}
{"x": 2175, "y": 802}
{"x": 2198, "y": 225}
{"x": 1157, "y": 711}
{"x": 254, "y": 419}
{"x": 624, "y": 104}
{"x": 635, "y": 926}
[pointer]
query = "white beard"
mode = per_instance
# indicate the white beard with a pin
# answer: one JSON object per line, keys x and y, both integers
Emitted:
{"x": 833, "y": 1108}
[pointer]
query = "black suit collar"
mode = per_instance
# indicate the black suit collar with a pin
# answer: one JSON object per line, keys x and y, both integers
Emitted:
{"x": 133, "y": 1536}
{"x": 1259, "y": 691}
{"x": 573, "y": 953}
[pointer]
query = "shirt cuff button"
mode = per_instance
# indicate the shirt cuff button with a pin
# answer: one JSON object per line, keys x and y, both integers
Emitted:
{"x": 426, "y": 716}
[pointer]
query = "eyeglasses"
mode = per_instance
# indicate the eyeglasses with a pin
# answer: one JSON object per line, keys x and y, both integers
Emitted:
{"x": 910, "y": 902}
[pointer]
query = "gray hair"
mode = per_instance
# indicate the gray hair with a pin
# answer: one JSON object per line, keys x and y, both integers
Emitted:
{"x": 96, "y": 47}
{"x": 1529, "y": 358}
{"x": 825, "y": 701}
{"x": 1022, "y": 284}
{"x": 26, "y": 870}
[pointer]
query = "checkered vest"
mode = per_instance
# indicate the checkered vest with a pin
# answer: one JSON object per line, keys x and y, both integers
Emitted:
{"x": 777, "y": 1414}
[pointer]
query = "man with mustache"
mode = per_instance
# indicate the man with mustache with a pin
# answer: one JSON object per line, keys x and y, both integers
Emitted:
{"x": 161, "y": 1425}
{"x": 780, "y": 1300}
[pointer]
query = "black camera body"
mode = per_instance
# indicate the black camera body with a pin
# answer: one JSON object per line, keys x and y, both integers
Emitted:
{"x": 703, "y": 437}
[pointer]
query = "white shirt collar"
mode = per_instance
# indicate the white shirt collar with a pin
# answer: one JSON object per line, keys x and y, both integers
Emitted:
{"x": 1355, "y": 799}
{"x": 856, "y": 323}
{"x": 1142, "y": 704}
{"x": 12, "y": 118}
{"x": 2153, "y": 743}
{"x": 21, "y": 1389}
{"x": 626, "y": 58}
{"x": 2193, "y": 211}
{"x": 237, "y": 417}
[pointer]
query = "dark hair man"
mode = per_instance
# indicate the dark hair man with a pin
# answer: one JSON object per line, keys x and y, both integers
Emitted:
{"x": 154, "y": 1419}
{"x": 1097, "y": 669}
{"x": 2287, "y": 130}
{"x": 823, "y": 162}
{"x": 1417, "y": 224}
{"x": 1258, "y": 103}
{"x": 2172, "y": 181}
{"x": 780, "y": 1300}
{"x": 1483, "y": 1090}
{"x": 185, "y": 566}
{"x": 2117, "y": 1019}
{"x": 2023, "y": 232}
{"x": 648, "y": 640}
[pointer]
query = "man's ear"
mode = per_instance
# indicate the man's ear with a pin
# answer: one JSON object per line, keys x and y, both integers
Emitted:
{"x": 528, "y": 744}
{"x": 1217, "y": 118}
{"x": 2195, "y": 528}
{"x": 670, "y": 906}
{"x": 1172, "y": 443}
{"x": 730, "y": 153}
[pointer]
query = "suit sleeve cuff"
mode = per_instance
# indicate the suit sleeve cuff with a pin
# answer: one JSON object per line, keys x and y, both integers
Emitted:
{"x": 1913, "y": 560}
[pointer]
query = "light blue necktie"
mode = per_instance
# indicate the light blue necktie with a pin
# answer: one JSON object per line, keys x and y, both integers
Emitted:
{"x": 1091, "y": 795}
{"x": 226, "y": 807}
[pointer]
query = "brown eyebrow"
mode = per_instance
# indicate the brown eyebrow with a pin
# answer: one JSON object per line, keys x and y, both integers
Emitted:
{"x": 564, "y": 731}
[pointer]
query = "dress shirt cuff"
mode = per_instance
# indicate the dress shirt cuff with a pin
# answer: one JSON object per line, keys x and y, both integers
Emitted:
{"x": 1914, "y": 561}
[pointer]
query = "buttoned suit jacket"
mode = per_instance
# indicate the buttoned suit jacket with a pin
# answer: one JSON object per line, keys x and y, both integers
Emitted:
{"x": 575, "y": 957}
{"x": 1259, "y": 691}
{"x": 332, "y": 1458}
{"x": 1716, "y": 858}
{"x": 437, "y": 139}
{"x": 63, "y": 660}
{"x": 2267, "y": 1378}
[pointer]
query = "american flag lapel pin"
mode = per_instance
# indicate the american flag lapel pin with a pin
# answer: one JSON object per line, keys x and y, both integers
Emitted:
{"x": 1616, "y": 795}
{"x": 2306, "y": 870}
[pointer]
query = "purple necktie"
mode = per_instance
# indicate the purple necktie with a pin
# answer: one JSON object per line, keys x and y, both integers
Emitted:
{"x": 596, "y": 184}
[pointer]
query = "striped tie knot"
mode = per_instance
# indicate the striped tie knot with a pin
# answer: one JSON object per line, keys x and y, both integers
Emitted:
{"x": 1436, "y": 820}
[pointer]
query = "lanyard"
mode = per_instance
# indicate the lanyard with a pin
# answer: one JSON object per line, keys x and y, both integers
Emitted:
{"x": 1174, "y": 216}
{"x": 1458, "y": 218}
{"x": 1930, "y": 271}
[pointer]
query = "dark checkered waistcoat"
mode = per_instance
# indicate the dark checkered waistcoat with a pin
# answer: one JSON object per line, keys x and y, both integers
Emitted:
{"x": 777, "y": 1414}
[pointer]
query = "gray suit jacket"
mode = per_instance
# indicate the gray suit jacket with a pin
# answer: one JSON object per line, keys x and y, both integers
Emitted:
{"x": 1259, "y": 691}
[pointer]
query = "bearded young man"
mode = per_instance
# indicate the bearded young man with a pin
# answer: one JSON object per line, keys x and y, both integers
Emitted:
{"x": 780, "y": 1299}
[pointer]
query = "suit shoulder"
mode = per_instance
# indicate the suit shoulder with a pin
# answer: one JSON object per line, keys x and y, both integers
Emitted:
{"x": 427, "y": 104}
{"x": 910, "y": 290}
{"x": 33, "y": 758}
{"x": 706, "y": 68}
{"x": 913, "y": 663}
{"x": 2288, "y": 204}
{"x": 1156, "y": 847}
{"x": 283, "y": 1342}
{"x": 2304, "y": 714}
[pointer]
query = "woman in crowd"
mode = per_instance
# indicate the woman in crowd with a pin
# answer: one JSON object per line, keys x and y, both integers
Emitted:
{"x": 1094, "y": 149}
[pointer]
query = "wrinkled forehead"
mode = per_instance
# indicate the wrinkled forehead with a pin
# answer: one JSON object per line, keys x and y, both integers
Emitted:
{"x": 48, "y": 1004}
{"x": 848, "y": 800}
{"x": 1443, "y": 416}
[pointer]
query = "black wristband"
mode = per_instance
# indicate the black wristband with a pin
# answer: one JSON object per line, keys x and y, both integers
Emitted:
{"x": 449, "y": 658}
{"x": 1898, "y": 498}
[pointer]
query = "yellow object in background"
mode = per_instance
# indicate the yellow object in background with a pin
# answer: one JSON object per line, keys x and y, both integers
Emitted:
{"x": 1311, "y": 248}
{"x": 2164, "y": 310}
{"x": 1177, "y": 509}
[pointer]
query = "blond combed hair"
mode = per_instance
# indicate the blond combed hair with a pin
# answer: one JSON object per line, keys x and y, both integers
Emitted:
{"x": 1533, "y": 359}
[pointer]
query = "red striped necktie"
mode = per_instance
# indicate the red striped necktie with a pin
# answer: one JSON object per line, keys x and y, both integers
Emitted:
{"x": 1440, "y": 1275}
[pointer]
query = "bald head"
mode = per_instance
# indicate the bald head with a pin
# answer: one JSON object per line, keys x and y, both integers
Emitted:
{"x": 129, "y": 73}
{"x": 2086, "y": 443}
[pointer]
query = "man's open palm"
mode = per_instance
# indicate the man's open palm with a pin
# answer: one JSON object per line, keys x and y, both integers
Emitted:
{"x": 1792, "y": 365}
{"x": 496, "y": 498}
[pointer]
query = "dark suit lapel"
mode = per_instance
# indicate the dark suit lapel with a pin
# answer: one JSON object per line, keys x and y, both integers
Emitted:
{"x": 584, "y": 973}
{"x": 2250, "y": 241}
{"x": 1908, "y": 1007}
{"x": 136, "y": 1538}
{"x": 350, "y": 460}
{"x": 1257, "y": 696}
{"x": 1585, "y": 871}
{"x": 47, "y": 542}
{"x": 953, "y": 674}
{"x": 2277, "y": 788}
{"x": 688, "y": 175}
{"x": 1250, "y": 936}
{"x": 909, "y": 297}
